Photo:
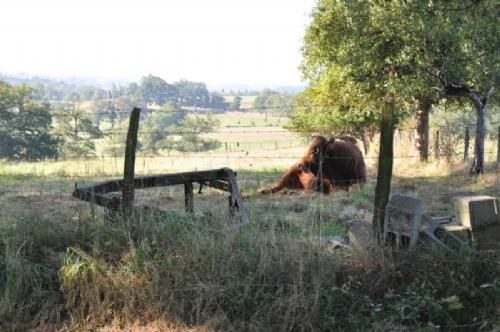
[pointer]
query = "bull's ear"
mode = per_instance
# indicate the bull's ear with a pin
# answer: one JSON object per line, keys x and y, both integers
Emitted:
{"x": 325, "y": 144}
{"x": 331, "y": 140}
{"x": 317, "y": 144}
{"x": 318, "y": 141}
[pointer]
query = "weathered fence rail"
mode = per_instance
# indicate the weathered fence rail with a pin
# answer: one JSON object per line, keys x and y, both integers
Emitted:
{"x": 223, "y": 179}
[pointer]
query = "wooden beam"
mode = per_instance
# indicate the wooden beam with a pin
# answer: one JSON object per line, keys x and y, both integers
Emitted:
{"x": 143, "y": 182}
{"x": 218, "y": 184}
{"x": 111, "y": 203}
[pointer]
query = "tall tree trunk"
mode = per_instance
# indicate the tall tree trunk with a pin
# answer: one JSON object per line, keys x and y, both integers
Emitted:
{"x": 477, "y": 166}
{"x": 384, "y": 174}
{"x": 424, "y": 106}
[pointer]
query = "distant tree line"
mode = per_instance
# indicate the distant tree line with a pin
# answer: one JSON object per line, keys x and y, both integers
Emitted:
{"x": 35, "y": 130}
{"x": 151, "y": 90}
{"x": 53, "y": 119}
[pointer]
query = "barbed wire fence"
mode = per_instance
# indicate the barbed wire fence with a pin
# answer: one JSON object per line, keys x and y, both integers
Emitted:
{"x": 262, "y": 157}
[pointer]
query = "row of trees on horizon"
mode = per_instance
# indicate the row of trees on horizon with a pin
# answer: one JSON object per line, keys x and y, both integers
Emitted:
{"x": 149, "y": 90}
{"x": 32, "y": 127}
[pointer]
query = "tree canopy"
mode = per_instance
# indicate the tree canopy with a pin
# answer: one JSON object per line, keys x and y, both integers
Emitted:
{"x": 25, "y": 126}
{"x": 358, "y": 52}
{"x": 156, "y": 90}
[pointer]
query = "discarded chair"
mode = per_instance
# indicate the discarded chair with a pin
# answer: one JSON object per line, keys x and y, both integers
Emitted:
{"x": 402, "y": 221}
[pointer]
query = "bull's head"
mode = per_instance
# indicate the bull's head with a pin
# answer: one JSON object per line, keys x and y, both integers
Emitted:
{"x": 316, "y": 153}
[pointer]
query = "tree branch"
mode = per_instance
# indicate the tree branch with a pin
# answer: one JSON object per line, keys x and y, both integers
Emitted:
{"x": 488, "y": 96}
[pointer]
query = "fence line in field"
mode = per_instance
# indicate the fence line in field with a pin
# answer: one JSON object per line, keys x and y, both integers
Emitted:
{"x": 242, "y": 177}
{"x": 252, "y": 156}
{"x": 221, "y": 131}
{"x": 202, "y": 111}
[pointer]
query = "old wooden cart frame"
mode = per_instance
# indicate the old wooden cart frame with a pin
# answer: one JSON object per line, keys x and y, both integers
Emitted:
{"x": 223, "y": 179}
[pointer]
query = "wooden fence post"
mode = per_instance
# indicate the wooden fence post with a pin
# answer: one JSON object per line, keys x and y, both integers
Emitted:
{"x": 466, "y": 146}
{"x": 498, "y": 146}
{"x": 129, "y": 168}
{"x": 188, "y": 197}
{"x": 436, "y": 145}
{"x": 235, "y": 199}
{"x": 385, "y": 161}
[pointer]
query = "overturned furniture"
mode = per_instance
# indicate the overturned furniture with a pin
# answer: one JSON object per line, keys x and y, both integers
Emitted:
{"x": 402, "y": 221}
{"x": 478, "y": 223}
{"x": 223, "y": 179}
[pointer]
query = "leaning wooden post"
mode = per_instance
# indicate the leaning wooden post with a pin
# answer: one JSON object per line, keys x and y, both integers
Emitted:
{"x": 129, "y": 168}
{"x": 385, "y": 161}
{"x": 466, "y": 146}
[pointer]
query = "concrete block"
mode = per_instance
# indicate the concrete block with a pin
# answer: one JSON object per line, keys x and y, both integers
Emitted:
{"x": 481, "y": 215}
{"x": 402, "y": 220}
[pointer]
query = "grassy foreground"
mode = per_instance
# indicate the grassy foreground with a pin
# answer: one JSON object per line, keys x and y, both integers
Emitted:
{"x": 63, "y": 267}
{"x": 186, "y": 273}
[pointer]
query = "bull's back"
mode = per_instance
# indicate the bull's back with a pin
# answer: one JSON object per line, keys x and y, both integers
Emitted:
{"x": 344, "y": 165}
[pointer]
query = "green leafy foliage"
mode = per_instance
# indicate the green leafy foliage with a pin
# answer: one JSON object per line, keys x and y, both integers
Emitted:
{"x": 25, "y": 126}
{"x": 235, "y": 104}
{"x": 153, "y": 89}
{"x": 273, "y": 102}
{"x": 192, "y": 93}
{"x": 76, "y": 130}
{"x": 325, "y": 108}
{"x": 451, "y": 120}
{"x": 358, "y": 52}
{"x": 156, "y": 126}
{"x": 190, "y": 131}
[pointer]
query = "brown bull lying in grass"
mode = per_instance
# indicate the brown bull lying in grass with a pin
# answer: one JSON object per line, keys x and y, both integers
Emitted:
{"x": 301, "y": 178}
{"x": 327, "y": 164}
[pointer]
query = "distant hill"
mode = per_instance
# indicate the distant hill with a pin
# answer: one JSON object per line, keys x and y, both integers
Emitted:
{"x": 101, "y": 83}
{"x": 106, "y": 84}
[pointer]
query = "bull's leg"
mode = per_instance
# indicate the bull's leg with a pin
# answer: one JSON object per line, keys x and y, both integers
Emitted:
{"x": 288, "y": 180}
{"x": 328, "y": 186}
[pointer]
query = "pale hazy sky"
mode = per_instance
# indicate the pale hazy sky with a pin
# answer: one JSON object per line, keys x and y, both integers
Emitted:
{"x": 254, "y": 42}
